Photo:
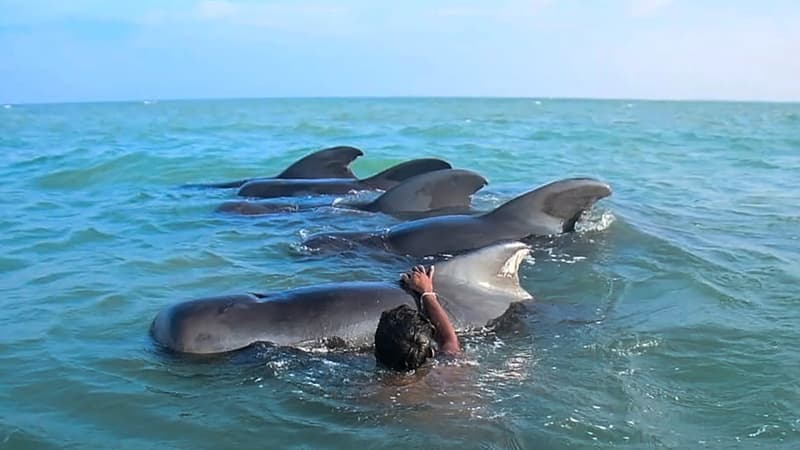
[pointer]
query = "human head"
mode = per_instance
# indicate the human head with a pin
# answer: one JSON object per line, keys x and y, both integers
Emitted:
{"x": 404, "y": 338}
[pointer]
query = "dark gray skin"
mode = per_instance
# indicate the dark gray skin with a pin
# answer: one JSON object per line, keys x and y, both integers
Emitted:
{"x": 548, "y": 210}
{"x": 473, "y": 289}
{"x": 429, "y": 194}
{"x": 298, "y": 317}
{"x": 389, "y": 178}
{"x": 332, "y": 162}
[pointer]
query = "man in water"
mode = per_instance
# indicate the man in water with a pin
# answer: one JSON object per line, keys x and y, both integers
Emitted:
{"x": 405, "y": 336}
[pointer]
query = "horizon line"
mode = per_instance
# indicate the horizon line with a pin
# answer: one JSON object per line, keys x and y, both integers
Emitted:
{"x": 399, "y": 97}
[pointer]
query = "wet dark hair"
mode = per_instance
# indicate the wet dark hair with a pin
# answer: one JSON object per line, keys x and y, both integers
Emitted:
{"x": 404, "y": 338}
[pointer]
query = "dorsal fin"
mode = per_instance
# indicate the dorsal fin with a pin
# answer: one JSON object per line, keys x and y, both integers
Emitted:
{"x": 550, "y": 209}
{"x": 333, "y": 162}
{"x": 403, "y": 171}
{"x": 449, "y": 188}
{"x": 492, "y": 268}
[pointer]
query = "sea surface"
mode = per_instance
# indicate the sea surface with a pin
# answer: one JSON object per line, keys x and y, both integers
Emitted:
{"x": 671, "y": 320}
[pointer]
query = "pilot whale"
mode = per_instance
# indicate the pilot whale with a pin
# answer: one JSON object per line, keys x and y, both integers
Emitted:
{"x": 272, "y": 188}
{"x": 332, "y": 162}
{"x": 429, "y": 194}
{"x": 474, "y": 288}
{"x": 551, "y": 209}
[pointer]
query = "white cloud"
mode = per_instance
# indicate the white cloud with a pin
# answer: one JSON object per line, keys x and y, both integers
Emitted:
{"x": 646, "y": 8}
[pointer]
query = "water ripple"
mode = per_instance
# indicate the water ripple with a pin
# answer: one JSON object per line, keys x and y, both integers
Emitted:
{"x": 668, "y": 320}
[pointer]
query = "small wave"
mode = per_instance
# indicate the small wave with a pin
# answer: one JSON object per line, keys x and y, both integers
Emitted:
{"x": 7, "y": 106}
{"x": 132, "y": 166}
{"x": 304, "y": 233}
{"x": 301, "y": 249}
{"x": 634, "y": 346}
{"x": 85, "y": 237}
{"x": 440, "y": 130}
{"x": 8, "y": 264}
{"x": 320, "y": 130}
{"x": 355, "y": 196}
{"x": 595, "y": 222}
{"x": 547, "y": 135}
{"x": 558, "y": 256}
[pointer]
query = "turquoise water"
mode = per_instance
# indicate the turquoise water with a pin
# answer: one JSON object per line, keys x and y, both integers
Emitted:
{"x": 670, "y": 321}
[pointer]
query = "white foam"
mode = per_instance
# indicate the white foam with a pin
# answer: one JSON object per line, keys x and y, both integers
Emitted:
{"x": 595, "y": 222}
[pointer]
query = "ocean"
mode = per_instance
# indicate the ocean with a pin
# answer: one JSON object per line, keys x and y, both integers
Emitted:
{"x": 670, "y": 320}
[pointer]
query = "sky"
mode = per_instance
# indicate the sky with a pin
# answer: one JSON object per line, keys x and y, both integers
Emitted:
{"x": 98, "y": 50}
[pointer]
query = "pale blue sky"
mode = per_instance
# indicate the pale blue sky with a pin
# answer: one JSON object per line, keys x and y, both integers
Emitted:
{"x": 86, "y": 50}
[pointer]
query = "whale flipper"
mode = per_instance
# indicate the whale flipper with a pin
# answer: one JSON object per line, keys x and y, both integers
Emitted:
{"x": 551, "y": 209}
{"x": 403, "y": 171}
{"x": 438, "y": 190}
{"x": 333, "y": 162}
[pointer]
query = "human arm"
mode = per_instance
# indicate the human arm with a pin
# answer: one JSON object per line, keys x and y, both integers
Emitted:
{"x": 420, "y": 281}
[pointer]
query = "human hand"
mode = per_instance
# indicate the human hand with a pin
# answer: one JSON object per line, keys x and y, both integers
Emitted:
{"x": 418, "y": 279}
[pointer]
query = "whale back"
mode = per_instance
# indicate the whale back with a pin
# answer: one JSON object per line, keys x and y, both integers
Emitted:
{"x": 438, "y": 190}
{"x": 307, "y": 316}
{"x": 550, "y": 209}
{"x": 333, "y": 162}
{"x": 398, "y": 173}
{"x": 474, "y": 289}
